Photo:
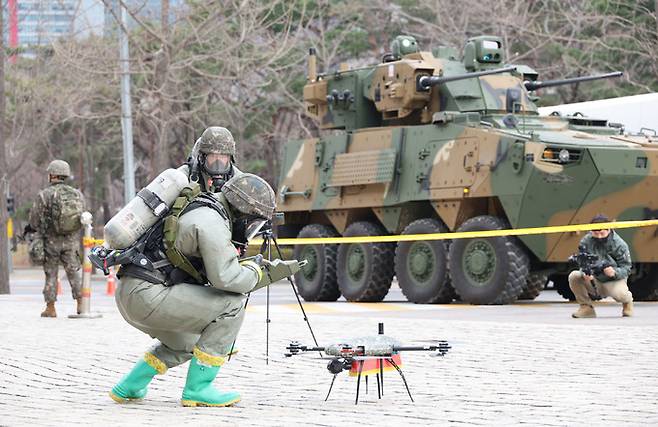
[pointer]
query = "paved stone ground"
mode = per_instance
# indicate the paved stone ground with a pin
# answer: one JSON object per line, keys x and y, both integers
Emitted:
{"x": 502, "y": 370}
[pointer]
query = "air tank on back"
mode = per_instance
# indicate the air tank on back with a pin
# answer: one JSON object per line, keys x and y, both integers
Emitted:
{"x": 151, "y": 203}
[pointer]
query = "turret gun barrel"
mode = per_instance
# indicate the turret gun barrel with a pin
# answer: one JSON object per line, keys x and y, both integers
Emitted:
{"x": 425, "y": 82}
{"x": 530, "y": 86}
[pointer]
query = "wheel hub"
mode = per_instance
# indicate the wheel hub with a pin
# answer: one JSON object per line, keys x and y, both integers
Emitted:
{"x": 355, "y": 262}
{"x": 311, "y": 268}
{"x": 421, "y": 261}
{"x": 479, "y": 261}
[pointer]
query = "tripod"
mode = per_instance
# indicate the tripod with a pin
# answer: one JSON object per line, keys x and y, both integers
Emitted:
{"x": 266, "y": 250}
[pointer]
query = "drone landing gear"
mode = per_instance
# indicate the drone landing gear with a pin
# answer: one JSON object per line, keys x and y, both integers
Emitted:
{"x": 381, "y": 361}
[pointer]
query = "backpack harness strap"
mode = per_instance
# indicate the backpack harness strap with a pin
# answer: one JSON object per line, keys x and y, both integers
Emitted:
{"x": 153, "y": 201}
{"x": 190, "y": 199}
{"x": 177, "y": 258}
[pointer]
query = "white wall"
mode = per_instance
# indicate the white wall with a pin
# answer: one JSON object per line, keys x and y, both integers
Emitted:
{"x": 635, "y": 112}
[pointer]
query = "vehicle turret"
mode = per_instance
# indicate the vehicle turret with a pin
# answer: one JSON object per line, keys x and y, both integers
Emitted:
{"x": 409, "y": 86}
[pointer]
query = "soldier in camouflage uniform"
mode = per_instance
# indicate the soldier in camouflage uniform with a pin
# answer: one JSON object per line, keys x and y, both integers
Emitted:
{"x": 212, "y": 161}
{"x": 60, "y": 246}
{"x": 192, "y": 321}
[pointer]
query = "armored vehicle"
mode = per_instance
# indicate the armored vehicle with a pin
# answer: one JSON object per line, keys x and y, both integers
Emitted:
{"x": 424, "y": 142}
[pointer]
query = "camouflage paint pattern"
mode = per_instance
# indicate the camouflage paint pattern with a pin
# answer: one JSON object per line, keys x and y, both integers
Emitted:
{"x": 461, "y": 149}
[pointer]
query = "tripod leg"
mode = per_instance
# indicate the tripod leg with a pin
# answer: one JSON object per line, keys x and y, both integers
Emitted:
{"x": 267, "y": 316}
{"x": 379, "y": 393}
{"x": 230, "y": 353}
{"x": 358, "y": 382}
{"x": 381, "y": 373}
{"x": 299, "y": 301}
{"x": 395, "y": 365}
{"x": 330, "y": 387}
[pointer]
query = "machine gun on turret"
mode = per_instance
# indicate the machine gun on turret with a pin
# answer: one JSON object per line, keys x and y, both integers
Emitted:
{"x": 530, "y": 86}
{"x": 425, "y": 82}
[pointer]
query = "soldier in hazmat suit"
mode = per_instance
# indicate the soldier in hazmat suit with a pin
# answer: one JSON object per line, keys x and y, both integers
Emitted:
{"x": 55, "y": 216}
{"x": 193, "y": 303}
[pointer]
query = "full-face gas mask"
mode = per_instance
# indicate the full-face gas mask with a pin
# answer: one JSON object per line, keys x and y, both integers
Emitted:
{"x": 216, "y": 169}
{"x": 212, "y": 158}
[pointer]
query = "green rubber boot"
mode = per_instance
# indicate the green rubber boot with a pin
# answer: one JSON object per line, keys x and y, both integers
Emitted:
{"x": 199, "y": 391}
{"x": 134, "y": 385}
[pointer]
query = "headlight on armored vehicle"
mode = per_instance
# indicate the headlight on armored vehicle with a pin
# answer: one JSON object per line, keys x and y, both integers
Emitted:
{"x": 561, "y": 155}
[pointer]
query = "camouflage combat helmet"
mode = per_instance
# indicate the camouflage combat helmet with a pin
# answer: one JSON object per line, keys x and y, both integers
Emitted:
{"x": 59, "y": 168}
{"x": 250, "y": 194}
{"x": 216, "y": 139}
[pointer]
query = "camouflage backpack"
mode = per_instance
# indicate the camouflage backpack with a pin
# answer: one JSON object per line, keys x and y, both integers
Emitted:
{"x": 66, "y": 209}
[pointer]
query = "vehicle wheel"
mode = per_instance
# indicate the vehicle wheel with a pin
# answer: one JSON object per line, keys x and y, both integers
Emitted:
{"x": 644, "y": 287}
{"x": 653, "y": 296}
{"x": 561, "y": 284}
{"x": 316, "y": 281}
{"x": 365, "y": 270}
{"x": 490, "y": 270}
{"x": 534, "y": 285}
{"x": 422, "y": 266}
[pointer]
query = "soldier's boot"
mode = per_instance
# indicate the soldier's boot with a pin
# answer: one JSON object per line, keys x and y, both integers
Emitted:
{"x": 78, "y": 305}
{"x": 627, "y": 310}
{"x": 134, "y": 385}
{"x": 50, "y": 310}
{"x": 584, "y": 311}
{"x": 198, "y": 389}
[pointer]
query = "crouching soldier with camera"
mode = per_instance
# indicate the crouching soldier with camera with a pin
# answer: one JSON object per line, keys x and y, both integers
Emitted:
{"x": 606, "y": 276}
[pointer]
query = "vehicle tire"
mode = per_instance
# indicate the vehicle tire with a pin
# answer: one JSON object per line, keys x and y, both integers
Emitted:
{"x": 316, "y": 281}
{"x": 534, "y": 285}
{"x": 422, "y": 266}
{"x": 365, "y": 270}
{"x": 561, "y": 284}
{"x": 490, "y": 270}
{"x": 645, "y": 287}
{"x": 653, "y": 296}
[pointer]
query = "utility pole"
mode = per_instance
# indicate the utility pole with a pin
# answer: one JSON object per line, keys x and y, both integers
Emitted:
{"x": 4, "y": 171}
{"x": 126, "y": 111}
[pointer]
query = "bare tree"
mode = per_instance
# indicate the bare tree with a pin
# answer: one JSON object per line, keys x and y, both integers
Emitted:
{"x": 4, "y": 215}
{"x": 241, "y": 64}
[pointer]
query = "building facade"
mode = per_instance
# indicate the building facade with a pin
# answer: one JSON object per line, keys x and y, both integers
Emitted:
{"x": 39, "y": 22}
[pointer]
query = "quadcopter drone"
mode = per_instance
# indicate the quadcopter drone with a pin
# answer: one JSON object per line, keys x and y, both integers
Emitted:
{"x": 366, "y": 356}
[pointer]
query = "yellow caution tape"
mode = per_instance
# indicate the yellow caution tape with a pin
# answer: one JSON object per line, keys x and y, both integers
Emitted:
{"x": 444, "y": 236}
{"x": 462, "y": 234}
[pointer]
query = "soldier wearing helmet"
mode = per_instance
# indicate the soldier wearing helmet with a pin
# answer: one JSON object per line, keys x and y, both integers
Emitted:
{"x": 55, "y": 216}
{"x": 196, "y": 318}
{"x": 212, "y": 161}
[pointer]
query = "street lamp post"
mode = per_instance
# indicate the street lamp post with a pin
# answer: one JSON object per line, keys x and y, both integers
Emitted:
{"x": 126, "y": 112}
